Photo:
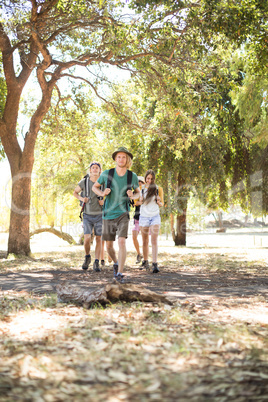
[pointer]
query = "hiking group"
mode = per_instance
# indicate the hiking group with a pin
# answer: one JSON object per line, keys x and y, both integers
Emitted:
{"x": 105, "y": 198}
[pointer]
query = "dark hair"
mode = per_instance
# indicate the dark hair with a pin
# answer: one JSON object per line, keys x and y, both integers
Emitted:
{"x": 152, "y": 189}
{"x": 95, "y": 163}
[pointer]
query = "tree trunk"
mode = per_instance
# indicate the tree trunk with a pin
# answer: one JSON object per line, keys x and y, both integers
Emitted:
{"x": 179, "y": 236}
{"x": 21, "y": 166}
{"x": 19, "y": 240}
{"x": 220, "y": 221}
{"x": 219, "y": 215}
{"x": 172, "y": 226}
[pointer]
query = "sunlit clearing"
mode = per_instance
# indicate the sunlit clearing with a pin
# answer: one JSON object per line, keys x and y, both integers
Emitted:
{"x": 34, "y": 325}
{"x": 259, "y": 316}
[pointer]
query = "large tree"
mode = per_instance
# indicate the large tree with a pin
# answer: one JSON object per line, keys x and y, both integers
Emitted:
{"x": 55, "y": 39}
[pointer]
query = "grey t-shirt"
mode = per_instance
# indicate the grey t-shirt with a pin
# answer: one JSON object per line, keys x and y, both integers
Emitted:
{"x": 92, "y": 207}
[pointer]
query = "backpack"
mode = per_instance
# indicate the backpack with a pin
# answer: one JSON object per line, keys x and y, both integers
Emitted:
{"x": 82, "y": 204}
{"x": 129, "y": 186}
{"x": 86, "y": 177}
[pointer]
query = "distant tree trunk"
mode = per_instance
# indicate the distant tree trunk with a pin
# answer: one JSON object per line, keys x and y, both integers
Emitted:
{"x": 179, "y": 235}
{"x": 219, "y": 215}
{"x": 220, "y": 222}
{"x": 172, "y": 226}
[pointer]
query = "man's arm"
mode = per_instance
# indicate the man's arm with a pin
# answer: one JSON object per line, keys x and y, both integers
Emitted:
{"x": 98, "y": 191}
{"x": 76, "y": 194}
{"x": 134, "y": 195}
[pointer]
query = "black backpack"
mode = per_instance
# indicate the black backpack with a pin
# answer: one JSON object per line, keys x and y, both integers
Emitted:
{"x": 129, "y": 186}
{"x": 82, "y": 204}
{"x": 86, "y": 177}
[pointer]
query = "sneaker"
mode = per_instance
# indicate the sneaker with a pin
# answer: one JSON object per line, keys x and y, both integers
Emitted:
{"x": 96, "y": 266}
{"x": 138, "y": 260}
{"x": 86, "y": 262}
{"x": 145, "y": 264}
{"x": 115, "y": 269}
{"x": 102, "y": 263}
{"x": 119, "y": 278}
{"x": 155, "y": 268}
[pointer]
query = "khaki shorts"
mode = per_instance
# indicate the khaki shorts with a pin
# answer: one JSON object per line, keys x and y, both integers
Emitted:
{"x": 111, "y": 227}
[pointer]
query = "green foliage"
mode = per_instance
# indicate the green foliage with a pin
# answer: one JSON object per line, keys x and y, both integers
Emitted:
{"x": 192, "y": 134}
{"x": 252, "y": 104}
{"x": 243, "y": 22}
{"x": 66, "y": 146}
{"x": 190, "y": 111}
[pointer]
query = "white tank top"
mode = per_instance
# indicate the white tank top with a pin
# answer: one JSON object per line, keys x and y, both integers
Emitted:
{"x": 150, "y": 209}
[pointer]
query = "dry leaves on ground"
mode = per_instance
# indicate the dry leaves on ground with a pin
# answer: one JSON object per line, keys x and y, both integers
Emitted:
{"x": 210, "y": 345}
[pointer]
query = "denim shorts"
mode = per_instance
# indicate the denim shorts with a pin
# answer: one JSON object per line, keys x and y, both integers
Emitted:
{"x": 92, "y": 221}
{"x": 150, "y": 221}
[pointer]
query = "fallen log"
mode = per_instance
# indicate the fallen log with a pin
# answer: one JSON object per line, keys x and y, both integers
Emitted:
{"x": 71, "y": 293}
{"x": 110, "y": 293}
{"x": 131, "y": 292}
{"x": 61, "y": 235}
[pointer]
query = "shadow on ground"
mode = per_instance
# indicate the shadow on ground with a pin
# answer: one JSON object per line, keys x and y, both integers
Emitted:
{"x": 199, "y": 276}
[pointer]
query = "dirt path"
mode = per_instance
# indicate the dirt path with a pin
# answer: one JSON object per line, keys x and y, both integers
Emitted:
{"x": 192, "y": 274}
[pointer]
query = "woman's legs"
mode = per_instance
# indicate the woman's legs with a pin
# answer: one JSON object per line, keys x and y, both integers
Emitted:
{"x": 135, "y": 241}
{"x": 145, "y": 242}
{"x": 154, "y": 240}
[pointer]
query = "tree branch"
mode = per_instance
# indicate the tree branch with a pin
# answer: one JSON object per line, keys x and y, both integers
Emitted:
{"x": 8, "y": 62}
{"x": 137, "y": 126}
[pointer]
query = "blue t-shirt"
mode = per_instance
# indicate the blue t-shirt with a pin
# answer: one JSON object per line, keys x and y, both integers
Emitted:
{"x": 116, "y": 202}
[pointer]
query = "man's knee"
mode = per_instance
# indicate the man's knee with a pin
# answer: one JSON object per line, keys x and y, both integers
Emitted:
{"x": 87, "y": 238}
{"x": 109, "y": 245}
{"x": 121, "y": 241}
{"x": 98, "y": 239}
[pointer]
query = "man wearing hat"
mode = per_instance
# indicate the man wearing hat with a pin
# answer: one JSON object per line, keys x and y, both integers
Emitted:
{"x": 116, "y": 206}
{"x": 92, "y": 214}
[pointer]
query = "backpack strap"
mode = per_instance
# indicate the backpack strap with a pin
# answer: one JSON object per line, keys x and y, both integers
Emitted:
{"x": 86, "y": 177}
{"x": 109, "y": 183}
{"x": 129, "y": 187}
{"x": 142, "y": 190}
{"x": 110, "y": 177}
{"x": 156, "y": 194}
{"x": 87, "y": 185}
{"x": 129, "y": 180}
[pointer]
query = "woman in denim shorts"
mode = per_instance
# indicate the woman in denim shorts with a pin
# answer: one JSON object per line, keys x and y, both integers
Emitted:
{"x": 150, "y": 220}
